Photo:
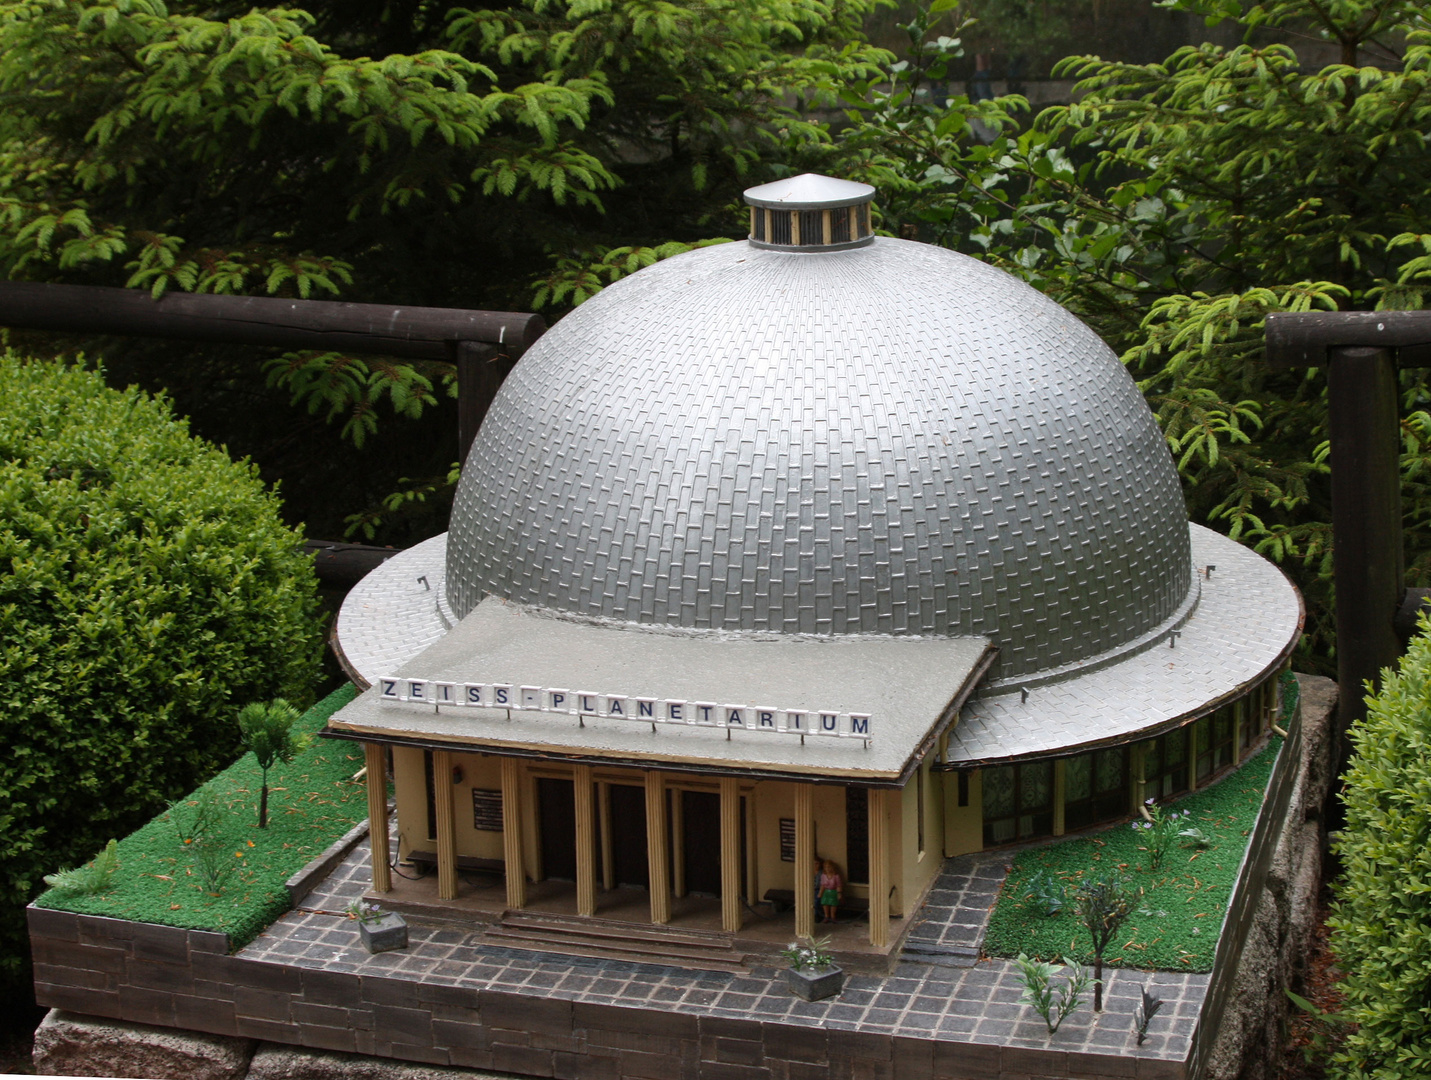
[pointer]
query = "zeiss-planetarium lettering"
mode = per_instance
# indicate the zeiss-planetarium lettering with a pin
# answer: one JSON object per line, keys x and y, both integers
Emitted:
{"x": 644, "y": 710}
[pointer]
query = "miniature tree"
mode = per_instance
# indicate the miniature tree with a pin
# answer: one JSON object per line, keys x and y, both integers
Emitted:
{"x": 1103, "y": 907}
{"x": 267, "y": 730}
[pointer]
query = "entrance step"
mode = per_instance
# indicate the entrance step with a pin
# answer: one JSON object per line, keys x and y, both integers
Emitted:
{"x": 954, "y": 956}
{"x": 614, "y": 939}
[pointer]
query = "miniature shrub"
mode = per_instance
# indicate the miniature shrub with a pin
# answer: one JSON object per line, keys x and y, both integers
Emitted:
{"x": 215, "y": 869}
{"x": 1381, "y": 921}
{"x": 148, "y": 589}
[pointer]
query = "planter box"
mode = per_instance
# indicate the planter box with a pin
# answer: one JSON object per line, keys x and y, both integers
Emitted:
{"x": 384, "y": 934}
{"x": 813, "y": 984}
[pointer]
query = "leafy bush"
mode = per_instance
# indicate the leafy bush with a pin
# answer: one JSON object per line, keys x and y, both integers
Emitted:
{"x": 1381, "y": 922}
{"x": 94, "y": 877}
{"x": 147, "y": 589}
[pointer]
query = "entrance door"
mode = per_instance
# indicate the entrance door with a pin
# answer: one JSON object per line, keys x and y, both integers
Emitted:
{"x": 628, "y": 836}
{"x": 556, "y": 810}
{"x": 700, "y": 842}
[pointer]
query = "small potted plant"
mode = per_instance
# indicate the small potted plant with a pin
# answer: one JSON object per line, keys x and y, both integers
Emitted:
{"x": 381, "y": 931}
{"x": 812, "y": 973}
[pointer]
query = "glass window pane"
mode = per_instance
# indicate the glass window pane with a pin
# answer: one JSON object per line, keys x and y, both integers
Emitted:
{"x": 998, "y": 792}
{"x": 1036, "y": 785}
{"x": 1078, "y": 778}
{"x": 1108, "y": 770}
{"x": 1152, "y": 759}
{"x": 1175, "y": 748}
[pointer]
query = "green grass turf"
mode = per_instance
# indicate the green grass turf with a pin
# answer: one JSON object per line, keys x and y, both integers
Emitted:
{"x": 311, "y": 803}
{"x": 1176, "y": 924}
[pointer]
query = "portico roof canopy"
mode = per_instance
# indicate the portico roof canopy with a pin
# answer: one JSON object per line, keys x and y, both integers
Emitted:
{"x": 908, "y": 689}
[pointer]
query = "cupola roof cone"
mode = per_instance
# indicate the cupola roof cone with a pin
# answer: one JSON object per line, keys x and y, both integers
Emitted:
{"x": 889, "y": 439}
{"x": 809, "y": 191}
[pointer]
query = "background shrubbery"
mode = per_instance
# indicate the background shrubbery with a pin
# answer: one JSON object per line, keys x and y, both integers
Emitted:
{"x": 148, "y": 590}
{"x": 1381, "y": 923}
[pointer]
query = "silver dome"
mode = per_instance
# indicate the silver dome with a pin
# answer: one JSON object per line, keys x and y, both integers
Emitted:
{"x": 891, "y": 439}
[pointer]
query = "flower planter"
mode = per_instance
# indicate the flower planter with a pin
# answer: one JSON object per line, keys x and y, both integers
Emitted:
{"x": 385, "y": 933}
{"x": 813, "y": 984}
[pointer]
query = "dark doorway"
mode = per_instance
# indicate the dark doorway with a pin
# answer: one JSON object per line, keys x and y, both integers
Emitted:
{"x": 628, "y": 835}
{"x": 556, "y": 813}
{"x": 700, "y": 844}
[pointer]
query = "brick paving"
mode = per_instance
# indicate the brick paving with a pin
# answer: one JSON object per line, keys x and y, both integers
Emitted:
{"x": 922, "y": 998}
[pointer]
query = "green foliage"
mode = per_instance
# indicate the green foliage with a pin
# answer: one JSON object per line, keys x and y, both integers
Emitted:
{"x": 94, "y": 877}
{"x": 1054, "y": 1006}
{"x": 1176, "y": 926}
{"x": 267, "y": 733}
{"x": 810, "y": 956}
{"x": 1159, "y": 831}
{"x": 147, "y": 587}
{"x": 429, "y": 153}
{"x": 1103, "y": 906}
{"x": 1046, "y": 892}
{"x": 1381, "y": 919}
{"x": 315, "y": 802}
{"x": 1143, "y": 1015}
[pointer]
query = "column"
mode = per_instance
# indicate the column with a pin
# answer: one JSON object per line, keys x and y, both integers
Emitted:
{"x": 516, "y": 870}
{"x": 804, "y": 860}
{"x": 377, "y": 759}
{"x": 1060, "y": 782}
{"x": 730, "y": 854}
{"x": 879, "y": 867}
{"x": 585, "y": 841}
{"x": 446, "y": 840}
{"x": 657, "y": 860}
{"x": 1135, "y": 778}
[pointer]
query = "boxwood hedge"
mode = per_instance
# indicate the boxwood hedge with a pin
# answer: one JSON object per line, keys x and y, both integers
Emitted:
{"x": 1381, "y": 920}
{"x": 148, "y": 590}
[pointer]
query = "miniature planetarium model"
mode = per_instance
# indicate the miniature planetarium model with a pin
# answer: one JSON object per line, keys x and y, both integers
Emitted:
{"x": 819, "y": 544}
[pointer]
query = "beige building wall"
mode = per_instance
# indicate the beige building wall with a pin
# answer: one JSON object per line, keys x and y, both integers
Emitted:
{"x": 920, "y": 862}
{"x": 963, "y": 825}
{"x": 481, "y": 771}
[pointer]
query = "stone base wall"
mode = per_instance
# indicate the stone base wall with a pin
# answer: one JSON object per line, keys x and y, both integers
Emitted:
{"x": 1243, "y": 1027}
{"x": 140, "y": 974}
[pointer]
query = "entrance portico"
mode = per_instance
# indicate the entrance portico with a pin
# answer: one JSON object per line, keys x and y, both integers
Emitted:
{"x": 590, "y": 838}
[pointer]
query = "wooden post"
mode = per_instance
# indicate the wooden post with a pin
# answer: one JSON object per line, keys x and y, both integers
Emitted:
{"x": 1364, "y": 429}
{"x": 879, "y": 867}
{"x": 1060, "y": 781}
{"x": 804, "y": 860}
{"x": 446, "y": 840}
{"x": 608, "y": 855}
{"x": 376, "y": 757}
{"x": 480, "y": 372}
{"x": 1137, "y": 781}
{"x": 512, "y": 839}
{"x": 585, "y": 841}
{"x": 730, "y": 854}
{"x": 657, "y": 849}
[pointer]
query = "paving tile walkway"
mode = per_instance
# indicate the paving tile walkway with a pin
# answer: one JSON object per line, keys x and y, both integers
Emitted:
{"x": 978, "y": 1003}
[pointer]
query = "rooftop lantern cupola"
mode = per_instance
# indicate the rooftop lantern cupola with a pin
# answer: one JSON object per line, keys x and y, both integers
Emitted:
{"x": 810, "y": 212}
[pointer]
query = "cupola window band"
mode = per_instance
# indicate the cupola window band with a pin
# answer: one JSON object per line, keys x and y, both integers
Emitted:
{"x": 810, "y": 213}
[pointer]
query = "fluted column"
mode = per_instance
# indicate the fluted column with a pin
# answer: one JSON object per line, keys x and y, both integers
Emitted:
{"x": 657, "y": 853}
{"x": 879, "y": 866}
{"x": 516, "y": 869}
{"x": 585, "y": 842}
{"x": 804, "y": 860}
{"x": 446, "y": 839}
{"x": 730, "y": 854}
{"x": 377, "y": 760}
